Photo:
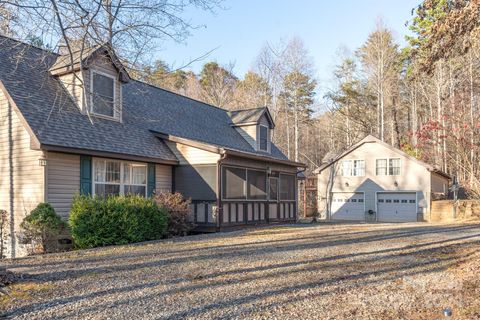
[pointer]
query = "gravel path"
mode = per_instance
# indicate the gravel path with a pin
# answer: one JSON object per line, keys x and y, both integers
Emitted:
{"x": 323, "y": 271}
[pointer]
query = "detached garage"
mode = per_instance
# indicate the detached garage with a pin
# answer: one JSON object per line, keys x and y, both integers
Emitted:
{"x": 348, "y": 206}
{"x": 397, "y": 206}
{"x": 374, "y": 181}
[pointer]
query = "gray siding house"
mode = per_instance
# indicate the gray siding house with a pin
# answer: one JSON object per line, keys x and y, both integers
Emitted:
{"x": 87, "y": 127}
{"x": 373, "y": 181}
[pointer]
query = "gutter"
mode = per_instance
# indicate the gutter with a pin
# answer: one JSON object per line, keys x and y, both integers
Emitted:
{"x": 301, "y": 171}
{"x": 264, "y": 158}
{"x": 104, "y": 154}
{"x": 221, "y": 150}
{"x": 219, "y": 190}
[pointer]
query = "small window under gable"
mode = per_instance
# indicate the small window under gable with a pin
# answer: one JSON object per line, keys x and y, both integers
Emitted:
{"x": 94, "y": 77}
{"x": 103, "y": 93}
{"x": 263, "y": 138}
{"x": 255, "y": 126}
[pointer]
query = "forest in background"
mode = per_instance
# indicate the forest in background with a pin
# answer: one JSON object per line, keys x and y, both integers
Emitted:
{"x": 422, "y": 98}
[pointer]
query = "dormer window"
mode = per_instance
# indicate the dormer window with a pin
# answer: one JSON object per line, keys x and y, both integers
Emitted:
{"x": 103, "y": 95}
{"x": 94, "y": 77}
{"x": 263, "y": 138}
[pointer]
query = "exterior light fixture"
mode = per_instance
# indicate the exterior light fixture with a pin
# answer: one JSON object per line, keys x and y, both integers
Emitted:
{"x": 395, "y": 184}
{"x": 346, "y": 184}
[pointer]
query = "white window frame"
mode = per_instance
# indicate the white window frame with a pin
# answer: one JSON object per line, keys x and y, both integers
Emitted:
{"x": 122, "y": 183}
{"x": 352, "y": 168}
{"x": 268, "y": 138}
{"x": 388, "y": 167}
{"x": 116, "y": 113}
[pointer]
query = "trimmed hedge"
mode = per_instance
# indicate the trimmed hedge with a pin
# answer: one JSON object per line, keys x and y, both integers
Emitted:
{"x": 96, "y": 221}
{"x": 40, "y": 229}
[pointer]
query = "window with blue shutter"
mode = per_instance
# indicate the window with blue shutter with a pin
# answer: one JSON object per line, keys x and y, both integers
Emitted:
{"x": 85, "y": 175}
{"x": 151, "y": 180}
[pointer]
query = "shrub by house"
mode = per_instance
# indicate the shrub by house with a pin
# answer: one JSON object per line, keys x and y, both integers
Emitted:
{"x": 96, "y": 221}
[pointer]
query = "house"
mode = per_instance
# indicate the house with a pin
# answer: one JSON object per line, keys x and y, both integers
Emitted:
{"x": 373, "y": 181}
{"x": 80, "y": 124}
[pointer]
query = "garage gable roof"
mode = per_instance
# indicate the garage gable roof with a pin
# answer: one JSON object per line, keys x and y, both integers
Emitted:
{"x": 373, "y": 139}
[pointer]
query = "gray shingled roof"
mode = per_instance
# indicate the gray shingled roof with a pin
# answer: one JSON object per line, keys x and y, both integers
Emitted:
{"x": 56, "y": 121}
{"x": 246, "y": 116}
{"x": 81, "y": 59}
{"x": 77, "y": 56}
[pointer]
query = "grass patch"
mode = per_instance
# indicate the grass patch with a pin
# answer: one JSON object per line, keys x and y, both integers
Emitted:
{"x": 23, "y": 291}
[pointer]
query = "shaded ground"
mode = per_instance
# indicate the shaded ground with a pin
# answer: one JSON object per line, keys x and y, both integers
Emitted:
{"x": 349, "y": 271}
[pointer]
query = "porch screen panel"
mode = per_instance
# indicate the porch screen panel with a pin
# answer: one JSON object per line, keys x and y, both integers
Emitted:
{"x": 257, "y": 184}
{"x": 287, "y": 187}
{"x": 273, "y": 189}
{"x": 234, "y": 180}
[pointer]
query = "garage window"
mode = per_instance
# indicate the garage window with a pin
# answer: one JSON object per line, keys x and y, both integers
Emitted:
{"x": 390, "y": 166}
{"x": 394, "y": 167}
{"x": 388, "y": 201}
{"x": 346, "y": 168}
{"x": 380, "y": 200}
{"x": 358, "y": 168}
{"x": 353, "y": 168}
{"x": 360, "y": 200}
{"x": 412, "y": 201}
{"x": 404, "y": 201}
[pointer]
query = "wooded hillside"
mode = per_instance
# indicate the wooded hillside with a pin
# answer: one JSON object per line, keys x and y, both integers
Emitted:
{"x": 422, "y": 98}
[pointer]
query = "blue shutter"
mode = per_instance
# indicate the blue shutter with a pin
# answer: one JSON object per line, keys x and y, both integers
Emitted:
{"x": 151, "y": 179}
{"x": 85, "y": 175}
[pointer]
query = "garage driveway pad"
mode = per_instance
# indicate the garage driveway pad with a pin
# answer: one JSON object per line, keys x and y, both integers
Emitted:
{"x": 323, "y": 271}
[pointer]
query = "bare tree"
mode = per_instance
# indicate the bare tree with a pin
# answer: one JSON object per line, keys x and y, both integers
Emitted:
{"x": 379, "y": 57}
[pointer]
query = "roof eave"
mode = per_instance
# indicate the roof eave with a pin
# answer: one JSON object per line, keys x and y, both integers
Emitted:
{"x": 222, "y": 150}
{"x": 104, "y": 154}
{"x": 188, "y": 142}
{"x": 440, "y": 172}
{"x": 263, "y": 158}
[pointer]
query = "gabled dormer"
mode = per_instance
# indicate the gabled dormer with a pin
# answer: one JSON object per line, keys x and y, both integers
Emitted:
{"x": 94, "y": 78}
{"x": 255, "y": 125}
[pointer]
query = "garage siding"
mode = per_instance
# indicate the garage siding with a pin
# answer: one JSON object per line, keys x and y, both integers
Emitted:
{"x": 414, "y": 177}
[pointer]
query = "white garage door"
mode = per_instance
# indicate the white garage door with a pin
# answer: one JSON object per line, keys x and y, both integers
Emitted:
{"x": 397, "y": 207}
{"x": 348, "y": 206}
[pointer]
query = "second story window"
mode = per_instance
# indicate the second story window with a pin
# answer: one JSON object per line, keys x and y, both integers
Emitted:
{"x": 394, "y": 166}
{"x": 388, "y": 167}
{"x": 103, "y": 95}
{"x": 358, "y": 168}
{"x": 263, "y": 138}
{"x": 381, "y": 167}
{"x": 353, "y": 168}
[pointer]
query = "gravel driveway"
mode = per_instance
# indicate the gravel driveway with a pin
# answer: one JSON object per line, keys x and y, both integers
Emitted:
{"x": 323, "y": 271}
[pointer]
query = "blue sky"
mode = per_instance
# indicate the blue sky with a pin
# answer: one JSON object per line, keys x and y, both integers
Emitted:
{"x": 239, "y": 31}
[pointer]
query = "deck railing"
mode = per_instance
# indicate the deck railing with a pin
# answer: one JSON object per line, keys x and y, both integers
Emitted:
{"x": 236, "y": 213}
